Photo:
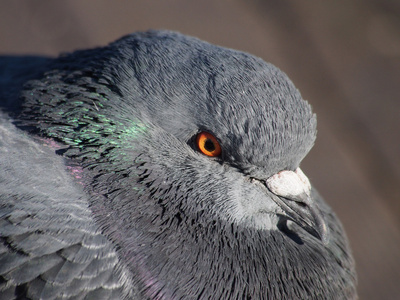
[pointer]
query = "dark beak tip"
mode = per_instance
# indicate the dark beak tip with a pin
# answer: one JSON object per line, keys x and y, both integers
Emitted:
{"x": 311, "y": 220}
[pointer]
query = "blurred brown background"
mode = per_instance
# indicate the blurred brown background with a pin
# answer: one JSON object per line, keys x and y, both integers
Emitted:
{"x": 343, "y": 55}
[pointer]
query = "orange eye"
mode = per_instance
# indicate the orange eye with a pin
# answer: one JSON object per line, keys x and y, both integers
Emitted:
{"x": 208, "y": 144}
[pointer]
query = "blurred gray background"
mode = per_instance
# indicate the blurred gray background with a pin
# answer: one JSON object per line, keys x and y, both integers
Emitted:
{"x": 343, "y": 55}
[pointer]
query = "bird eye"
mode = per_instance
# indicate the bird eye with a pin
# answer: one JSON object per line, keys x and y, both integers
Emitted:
{"x": 208, "y": 144}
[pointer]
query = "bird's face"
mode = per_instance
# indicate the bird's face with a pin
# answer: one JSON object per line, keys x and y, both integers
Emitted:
{"x": 250, "y": 111}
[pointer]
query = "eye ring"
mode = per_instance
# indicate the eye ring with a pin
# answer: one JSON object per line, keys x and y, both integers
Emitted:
{"x": 208, "y": 144}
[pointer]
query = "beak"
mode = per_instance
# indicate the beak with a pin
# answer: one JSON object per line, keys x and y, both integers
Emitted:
{"x": 294, "y": 197}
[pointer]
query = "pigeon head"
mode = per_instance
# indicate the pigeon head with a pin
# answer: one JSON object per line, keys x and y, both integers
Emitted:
{"x": 190, "y": 154}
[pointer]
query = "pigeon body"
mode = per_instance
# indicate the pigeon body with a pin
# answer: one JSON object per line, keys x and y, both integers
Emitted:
{"x": 106, "y": 192}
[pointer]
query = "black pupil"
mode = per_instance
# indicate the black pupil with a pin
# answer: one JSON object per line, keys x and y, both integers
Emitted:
{"x": 209, "y": 145}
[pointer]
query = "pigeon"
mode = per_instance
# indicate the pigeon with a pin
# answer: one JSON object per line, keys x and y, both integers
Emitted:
{"x": 161, "y": 167}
